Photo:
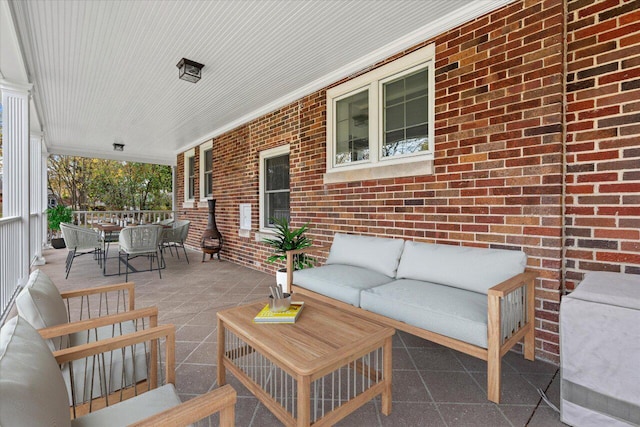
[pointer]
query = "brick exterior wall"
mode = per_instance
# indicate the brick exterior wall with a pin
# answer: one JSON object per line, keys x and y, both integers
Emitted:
{"x": 603, "y": 138}
{"x": 500, "y": 148}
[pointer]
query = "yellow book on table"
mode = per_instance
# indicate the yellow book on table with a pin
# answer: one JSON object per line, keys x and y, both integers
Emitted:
{"x": 289, "y": 316}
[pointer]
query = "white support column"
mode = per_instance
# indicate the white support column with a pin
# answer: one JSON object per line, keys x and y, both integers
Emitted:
{"x": 44, "y": 177}
{"x": 15, "y": 141}
{"x": 174, "y": 176}
{"x": 36, "y": 202}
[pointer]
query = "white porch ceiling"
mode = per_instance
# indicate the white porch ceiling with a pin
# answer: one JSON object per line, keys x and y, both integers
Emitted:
{"x": 105, "y": 71}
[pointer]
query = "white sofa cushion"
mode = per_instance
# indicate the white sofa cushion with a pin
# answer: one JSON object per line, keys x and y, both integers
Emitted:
{"x": 445, "y": 310}
{"x": 474, "y": 269}
{"x": 40, "y": 304}
{"x": 338, "y": 281}
{"x": 374, "y": 253}
{"x": 32, "y": 392}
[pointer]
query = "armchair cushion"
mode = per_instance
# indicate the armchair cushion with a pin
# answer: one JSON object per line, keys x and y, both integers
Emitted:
{"x": 375, "y": 253}
{"x": 131, "y": 410}
{"x": 40, "y": 304}
{"x": 29, "y": 373}
{"x": 113, "y": 371}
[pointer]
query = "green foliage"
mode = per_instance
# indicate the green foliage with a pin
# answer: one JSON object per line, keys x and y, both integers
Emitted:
{"x": 57, "y": 215}
{"x": 112, "y": 185}
{"x": 288, "y": 239}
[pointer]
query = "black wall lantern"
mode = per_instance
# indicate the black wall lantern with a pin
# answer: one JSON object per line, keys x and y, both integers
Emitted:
{"x": 189, "y": 70}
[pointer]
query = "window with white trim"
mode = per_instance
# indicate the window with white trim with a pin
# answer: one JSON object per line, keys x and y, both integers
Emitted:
{"x": 189, "y": 178}
{"x": 380, "y": 124}
{"x": 206, "y": 170}
{"x": 274, "y": 185}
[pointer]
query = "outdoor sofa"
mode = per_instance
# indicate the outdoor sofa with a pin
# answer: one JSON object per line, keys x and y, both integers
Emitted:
{"x": 475, "y": 300}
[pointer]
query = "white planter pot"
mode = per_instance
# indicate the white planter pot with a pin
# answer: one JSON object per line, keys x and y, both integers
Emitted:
{"x": 281, "y": 279}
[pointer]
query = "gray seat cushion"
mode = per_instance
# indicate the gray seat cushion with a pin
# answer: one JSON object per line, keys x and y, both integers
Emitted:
{"x": 474, "y": 269}
{"x": 40, "y": 304}
{"x": 93, "y": 375}
{"x": 446, "y": 310}
{"x": 341, "y": 282}
{"x": 32, "y": 392}
{"x": 129, "y": 411}
{"x": 373, "y": 253}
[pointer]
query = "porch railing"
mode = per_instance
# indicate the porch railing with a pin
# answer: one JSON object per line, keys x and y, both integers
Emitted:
{"x": 88, "y": 218}
{"x": 10, "y": 232}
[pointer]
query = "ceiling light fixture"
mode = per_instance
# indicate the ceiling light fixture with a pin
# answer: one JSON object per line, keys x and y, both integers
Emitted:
{"x": 118, "y": 146}
{"x": 189, "y": 70}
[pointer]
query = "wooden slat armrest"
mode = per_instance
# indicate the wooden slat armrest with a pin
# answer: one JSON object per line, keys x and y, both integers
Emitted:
{"x": 112, "y": 319}
{"x": 510, "y": 285}
{"x": 108, "y": 344}
{"x": 130, "y": 286}
{"x": 221, "y": 400}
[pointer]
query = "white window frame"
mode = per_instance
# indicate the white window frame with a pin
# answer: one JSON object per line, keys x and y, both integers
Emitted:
{"x": 203, "y": 149}
{"x": 188, "y": 202}
{"x": 377, "y": 167}
{"x": 264, "y": 155}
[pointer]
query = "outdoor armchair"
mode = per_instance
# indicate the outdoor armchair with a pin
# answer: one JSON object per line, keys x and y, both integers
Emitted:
{"x": 140, "y": 240}
{"x": 80, "y": 241}
{"x": 175, "y": 237}
{"x": 32, "y": 390}
{"x": 110, "y": 308}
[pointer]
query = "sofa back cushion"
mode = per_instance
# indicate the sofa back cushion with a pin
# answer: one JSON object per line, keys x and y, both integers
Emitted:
{"x": 473, "y": 269}
{"x": 40, "y": 304}
{"x": 375, "y": 253}
{"x": 32, "y": 391}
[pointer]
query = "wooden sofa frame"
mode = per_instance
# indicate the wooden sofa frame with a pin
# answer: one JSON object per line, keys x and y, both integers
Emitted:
{"x": 498, "y": 343}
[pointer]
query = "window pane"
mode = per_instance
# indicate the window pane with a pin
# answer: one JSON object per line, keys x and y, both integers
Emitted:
{"x": 352, "y": 128}
{"x": 416, "y": 84}
{"x": 394, "y": 117}
{"x": 277, "y": 173}
{"x": 208, "y": 160}
{"x": 406, "y": 115}
{"x": 417, "y": 112}
{"x": 277, "y": 206}
{"x": 192, "y": 177}
{"x": 394, "y": 92}
{"x": 192, "y": 187}
{"x": 208, "y": 184}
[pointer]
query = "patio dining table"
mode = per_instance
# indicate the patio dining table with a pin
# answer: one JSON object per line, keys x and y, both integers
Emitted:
{"x": 110, "y": 233}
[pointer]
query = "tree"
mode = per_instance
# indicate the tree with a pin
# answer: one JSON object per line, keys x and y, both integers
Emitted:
{"x": 86, "y": 184}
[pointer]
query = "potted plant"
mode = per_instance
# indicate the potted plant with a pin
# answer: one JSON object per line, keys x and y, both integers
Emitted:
{"x": 54, "y": 217}
{"x": 287, "y": 239}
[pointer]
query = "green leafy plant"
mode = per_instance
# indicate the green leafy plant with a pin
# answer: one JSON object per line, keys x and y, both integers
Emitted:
{"x": 57, "y": 215}
{"x": 288, "y": 239}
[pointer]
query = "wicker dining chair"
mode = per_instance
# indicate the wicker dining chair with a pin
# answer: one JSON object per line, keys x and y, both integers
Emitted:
{"x": 80, "y": 241}
{"x": 175, "y": 237}
{"x": 140, "y": 240}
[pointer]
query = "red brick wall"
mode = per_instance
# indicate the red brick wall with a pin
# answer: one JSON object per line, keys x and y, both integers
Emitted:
{"x": 499, "y": 157}
{"x": 603, "y": 138}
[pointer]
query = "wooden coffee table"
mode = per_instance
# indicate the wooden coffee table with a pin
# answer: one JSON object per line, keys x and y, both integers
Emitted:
{"x": 314, "y": 372}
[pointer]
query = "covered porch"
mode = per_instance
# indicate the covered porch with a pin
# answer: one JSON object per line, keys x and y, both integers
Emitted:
{"x": 432, "y": 385}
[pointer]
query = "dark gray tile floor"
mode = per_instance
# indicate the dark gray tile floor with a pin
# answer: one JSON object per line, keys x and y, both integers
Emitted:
{"x": 432, "y": 385}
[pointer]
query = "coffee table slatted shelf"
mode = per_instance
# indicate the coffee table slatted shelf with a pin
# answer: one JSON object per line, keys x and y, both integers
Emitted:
{"x": 314, "y": 372}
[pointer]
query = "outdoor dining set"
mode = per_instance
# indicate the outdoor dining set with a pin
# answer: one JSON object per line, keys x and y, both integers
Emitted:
{"x": 143, "y": 240}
